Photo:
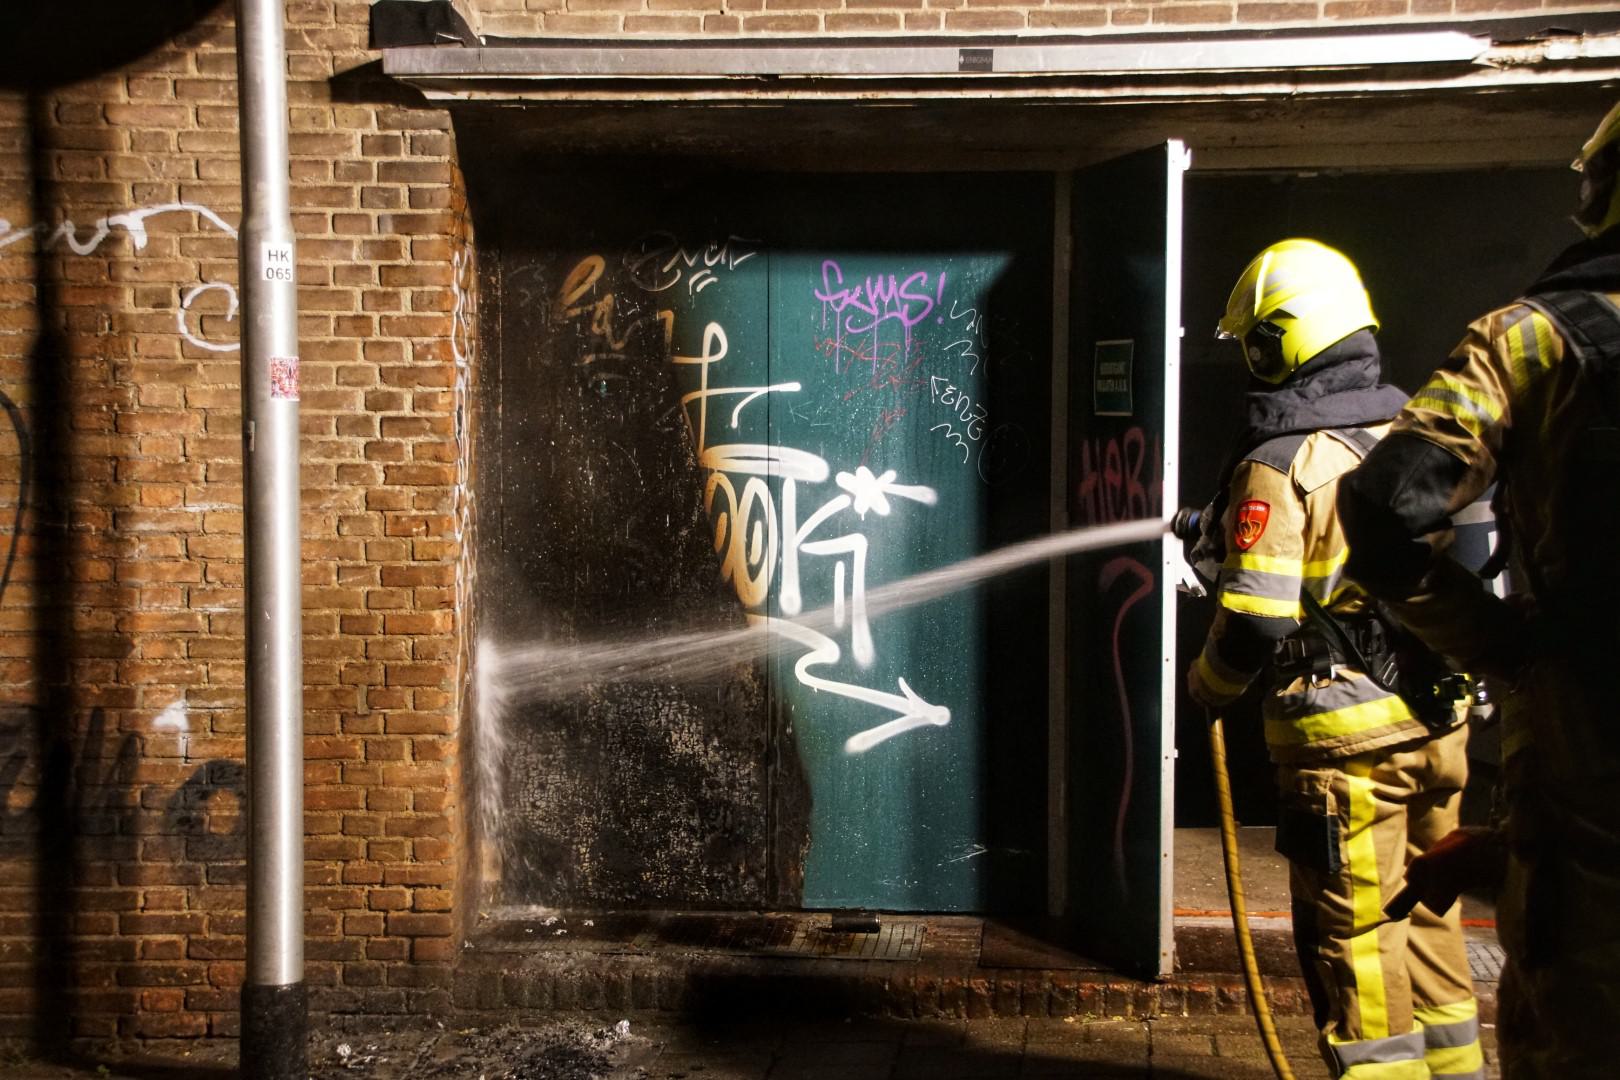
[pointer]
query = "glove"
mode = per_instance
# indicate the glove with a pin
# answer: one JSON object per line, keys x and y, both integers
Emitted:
{"x": 1210, "y": 549}
{"x": 1204, "y": 692}
{"x": 1472, "y": 857}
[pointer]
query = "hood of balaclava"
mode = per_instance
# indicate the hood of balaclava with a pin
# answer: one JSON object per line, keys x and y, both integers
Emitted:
{"x": 1339, "y": 387}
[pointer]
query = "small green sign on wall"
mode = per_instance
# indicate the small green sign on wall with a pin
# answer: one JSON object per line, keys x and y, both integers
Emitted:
{"x": 1111, "y": 378}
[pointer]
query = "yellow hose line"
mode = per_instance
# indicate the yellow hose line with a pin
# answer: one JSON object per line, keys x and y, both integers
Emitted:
{"x": 1240, "y": 916}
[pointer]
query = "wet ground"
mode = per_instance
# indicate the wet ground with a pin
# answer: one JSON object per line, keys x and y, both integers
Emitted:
{"x": 1188, "y": 1048}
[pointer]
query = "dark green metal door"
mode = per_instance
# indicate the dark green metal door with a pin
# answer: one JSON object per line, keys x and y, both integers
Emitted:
{"x": 1124, "y": 418}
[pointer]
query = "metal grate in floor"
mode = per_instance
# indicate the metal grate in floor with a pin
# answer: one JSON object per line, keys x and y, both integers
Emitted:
{"x": 1485, "y": 961}
{"x": 804, "y": 937}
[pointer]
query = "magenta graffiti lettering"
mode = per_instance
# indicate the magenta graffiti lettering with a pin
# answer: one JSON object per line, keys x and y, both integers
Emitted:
{"x": 878, "y": 299}
{"x": 860, "y": 311}
{"x": 1121, "y": 479}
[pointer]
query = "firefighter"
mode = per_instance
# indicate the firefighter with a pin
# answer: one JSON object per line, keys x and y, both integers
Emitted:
{"x": 1366, "y": 777}
{"x": 1529, "y": 400}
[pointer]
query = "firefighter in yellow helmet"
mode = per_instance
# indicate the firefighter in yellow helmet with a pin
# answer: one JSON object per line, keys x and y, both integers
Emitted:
{"x": 1530, "y": 400}
{"x": 1368, "y": 772}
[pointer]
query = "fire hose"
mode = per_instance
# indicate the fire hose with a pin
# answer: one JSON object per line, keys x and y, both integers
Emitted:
{"x": 1186, "y": 526}
{"x": 1234, "y": 891}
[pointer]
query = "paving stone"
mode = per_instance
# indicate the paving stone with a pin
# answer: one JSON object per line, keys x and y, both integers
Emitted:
{"x": 814, "y": 1070}
{"x": 850, "y": 1053}
{"x": 1200, "y": 1067}
{"x": 1297, "y": 1046}
{"x": 709, "y": 1067}
{"x": 934, "y": 1033}
{"x": 998, "y": 1032}
{"x": 1179, "y": 1044}
{"x": 1100, "y": 1058}
{"x": 1117, "y": 1032}
{"x": 847, "y": 1031}
{"x": 714, "y": 1058}
{"x": 956, "y": 1063}
{"x": 1071, "y": 1030}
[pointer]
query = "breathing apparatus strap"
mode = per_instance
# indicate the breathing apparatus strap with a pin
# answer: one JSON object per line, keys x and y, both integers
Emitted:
{"x": 1581, "y": 619}
{"x": 1590, "y": 325}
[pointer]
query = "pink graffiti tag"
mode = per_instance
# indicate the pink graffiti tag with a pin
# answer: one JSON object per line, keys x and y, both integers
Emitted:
{"x": 1121, "y": 479}
{"x": 1112, "y": 571}
{"x": 864, "y": 307}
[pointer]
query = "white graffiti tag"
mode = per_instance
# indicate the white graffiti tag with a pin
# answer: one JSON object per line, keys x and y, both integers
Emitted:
{"x": 133, "y": 223}
{"x": 659, "y": 260}
{"x": 756, "y": 537}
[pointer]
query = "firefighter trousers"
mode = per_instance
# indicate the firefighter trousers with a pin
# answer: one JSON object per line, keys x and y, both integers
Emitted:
{"x": 1559, "y": 910}
{"x": 1394, "y": 999}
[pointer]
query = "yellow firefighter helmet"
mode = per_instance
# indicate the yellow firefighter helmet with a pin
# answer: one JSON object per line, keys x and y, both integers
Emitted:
{"x": 1295, "y": 299}
{"x": 1599, "y": 166}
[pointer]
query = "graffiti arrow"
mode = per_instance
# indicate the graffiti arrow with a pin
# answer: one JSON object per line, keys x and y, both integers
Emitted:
{"x": 918, "y": 713}
{"x": 914, "y": 711}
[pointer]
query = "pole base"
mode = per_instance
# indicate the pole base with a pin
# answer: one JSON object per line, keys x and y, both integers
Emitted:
{"x": 274, "y": 1044}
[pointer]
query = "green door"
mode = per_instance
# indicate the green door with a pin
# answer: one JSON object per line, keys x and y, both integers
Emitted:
{"x": 878, "y": 421}
{"x": 1125, "y": 303}
{"x": 896, "y": 415}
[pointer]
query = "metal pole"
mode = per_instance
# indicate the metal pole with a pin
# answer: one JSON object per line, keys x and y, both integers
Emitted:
{"x": 275, "y": 1000}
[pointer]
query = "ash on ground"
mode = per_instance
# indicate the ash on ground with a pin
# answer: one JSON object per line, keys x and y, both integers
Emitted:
{"x": 562, "y": 1050}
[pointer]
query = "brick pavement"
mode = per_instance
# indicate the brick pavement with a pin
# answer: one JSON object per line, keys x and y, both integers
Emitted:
{"x": 1174, "y": 1048}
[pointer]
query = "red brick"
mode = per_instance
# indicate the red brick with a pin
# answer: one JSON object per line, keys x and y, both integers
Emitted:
{"x": 1192, "y": 13}
{"x": 409, "y": 924}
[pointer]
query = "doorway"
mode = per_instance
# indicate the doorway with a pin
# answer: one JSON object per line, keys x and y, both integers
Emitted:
{"x": 718, "y": 403}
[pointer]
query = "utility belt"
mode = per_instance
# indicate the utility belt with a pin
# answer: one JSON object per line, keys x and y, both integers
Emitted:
{"x": 1365, "y": 642}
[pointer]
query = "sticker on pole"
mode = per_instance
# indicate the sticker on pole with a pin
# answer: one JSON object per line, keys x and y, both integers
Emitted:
{"x": 284, "y": 378}
{"x": 276, "y": 263}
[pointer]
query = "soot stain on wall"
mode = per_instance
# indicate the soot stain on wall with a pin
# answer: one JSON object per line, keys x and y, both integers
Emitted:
{"x": 631, "y": 792}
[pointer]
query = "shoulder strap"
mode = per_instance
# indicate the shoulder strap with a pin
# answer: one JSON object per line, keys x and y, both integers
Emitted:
{"x": 1359, "y": 440}
{"x": 1589, "y": 323}
{"x": 1280, "y": 452}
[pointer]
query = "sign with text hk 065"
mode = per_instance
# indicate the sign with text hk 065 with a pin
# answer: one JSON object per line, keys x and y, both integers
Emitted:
{"x": 276, "y": 263}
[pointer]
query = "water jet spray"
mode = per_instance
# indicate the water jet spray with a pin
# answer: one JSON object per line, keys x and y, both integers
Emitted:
{"x": 547, "y": 672}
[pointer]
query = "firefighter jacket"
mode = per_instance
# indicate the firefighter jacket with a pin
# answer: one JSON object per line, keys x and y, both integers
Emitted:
{"x": 1283, "y": 538}
{"x": 1514, "y": 404}
{"x": 1509, "y": 406}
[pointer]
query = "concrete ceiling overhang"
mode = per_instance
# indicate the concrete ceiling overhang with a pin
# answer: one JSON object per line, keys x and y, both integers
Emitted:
{"x": 1490, "y": 92}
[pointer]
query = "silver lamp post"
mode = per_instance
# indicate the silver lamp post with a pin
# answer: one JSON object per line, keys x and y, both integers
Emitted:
{"x": 275, "y": 999}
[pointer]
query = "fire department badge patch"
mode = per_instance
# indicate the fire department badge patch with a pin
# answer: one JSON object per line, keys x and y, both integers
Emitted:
{"x": 1251, "y": 522}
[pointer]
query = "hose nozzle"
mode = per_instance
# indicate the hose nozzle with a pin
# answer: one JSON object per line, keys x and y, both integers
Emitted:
{"x": 1185, "y": 525}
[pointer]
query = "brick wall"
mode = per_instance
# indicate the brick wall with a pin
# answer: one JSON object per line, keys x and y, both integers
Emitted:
{"x": 121, "y": 683}
{"x": 533, "y": 18}
{"x": 121, "y": 680}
